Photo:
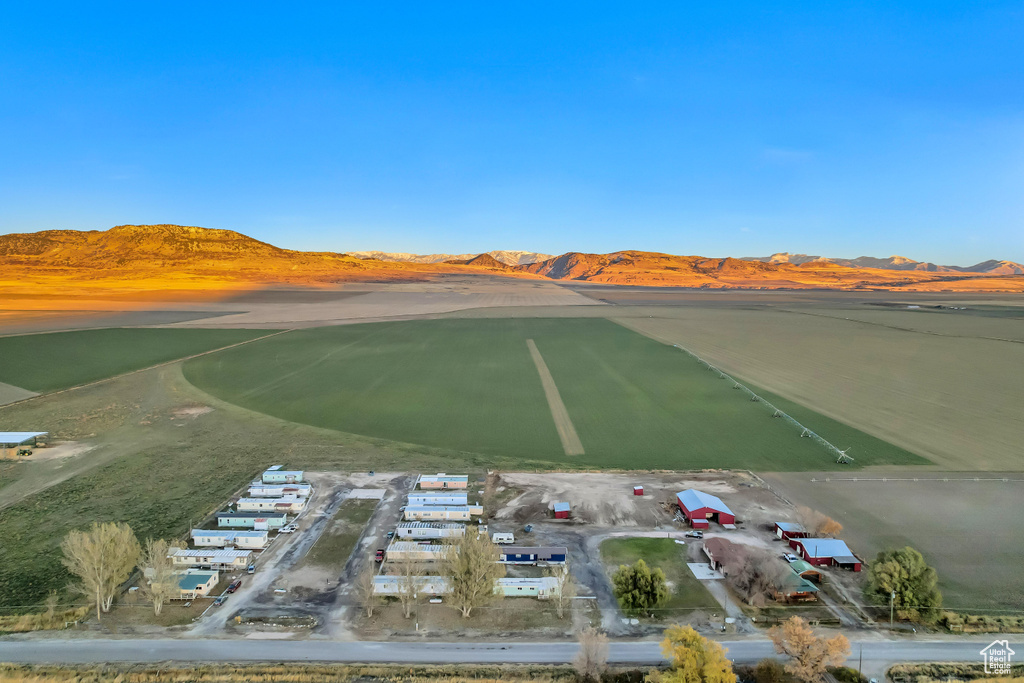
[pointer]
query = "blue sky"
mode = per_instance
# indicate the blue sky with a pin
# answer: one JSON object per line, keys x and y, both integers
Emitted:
{"x": 840, "y": 129}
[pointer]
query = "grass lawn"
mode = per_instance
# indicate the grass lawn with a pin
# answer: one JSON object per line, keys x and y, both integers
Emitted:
{"x": 664, "y": 553}
{"x": 471, "y": 385}
{"x": 339, "y": 538}
{"x": 48, "y": 362}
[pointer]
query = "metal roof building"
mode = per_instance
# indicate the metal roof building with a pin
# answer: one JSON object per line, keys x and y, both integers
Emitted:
{"x": 220, "y": 538}
{"x": 442, "y": 512}
{"x": 214, "y": 559}
{"x": 698, "y": 507}
{"x": 12, "y": 442}
{"x": 826, "y": 551}
{"x": 260, "y": 490}
{"x": 520, "y": 554}
{"x": 429, "y": 530}
{"x": 443, "y": 481}
{"x": 252, "y": 520}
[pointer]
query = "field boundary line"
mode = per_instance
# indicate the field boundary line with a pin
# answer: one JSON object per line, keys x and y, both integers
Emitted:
{"x": 571, "y": 443}
{"x": 917, "y": 479}
{"x": 151, "y": 367}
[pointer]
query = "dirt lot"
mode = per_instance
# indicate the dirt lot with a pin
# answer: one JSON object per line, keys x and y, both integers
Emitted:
{"x": 603, "y": 499}
{"x": 972, "y": 532}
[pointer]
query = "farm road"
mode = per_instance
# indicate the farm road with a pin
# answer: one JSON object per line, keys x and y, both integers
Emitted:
{"x": 571, "y": 443}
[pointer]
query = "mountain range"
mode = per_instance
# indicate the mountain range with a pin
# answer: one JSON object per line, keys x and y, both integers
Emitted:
{"x": 991, "y": 267}
{"x": 166, "y": 257}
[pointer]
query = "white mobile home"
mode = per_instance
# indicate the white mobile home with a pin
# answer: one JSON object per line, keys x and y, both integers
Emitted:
{"x": 423, "y": 585}
{"x": 437, "y": 513}
{"x": 443, "y": 481}
{"x": 226, "y": 538}
{"x": 276, "y": 475}
{"x": 260, "y": 490}
{"x": 408, "y": 551}
{"x": 210, "y": 559}
{"x": 283, "y": 504}
{"x": 429, "y": 530}
{"x": 438, "y": 498}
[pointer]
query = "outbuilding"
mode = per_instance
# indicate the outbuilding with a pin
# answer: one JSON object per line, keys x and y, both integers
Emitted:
{"x": 638, "y": 490}
{"x": 561, "y": 510}
{"x": 826, "y": 552}
{"x": 252, "y": 520}
{"x": 14, "y": 444}
{"x": 226, "y": 538}
{"x": 519, "y": 554}
{"x": 788, "y": 530}
{"x": 699, "y": 508}
{"x": 806, "y": 570}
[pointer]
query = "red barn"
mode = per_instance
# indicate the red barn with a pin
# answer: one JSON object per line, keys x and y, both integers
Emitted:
{"x": 826, "y": 552}
{"x": 789, "y": 530}
{"x": 561, "y": 510}
{"x": 699, "y": 507}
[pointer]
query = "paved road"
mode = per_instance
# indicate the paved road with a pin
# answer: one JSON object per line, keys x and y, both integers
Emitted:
{"x": 877, "y": 655}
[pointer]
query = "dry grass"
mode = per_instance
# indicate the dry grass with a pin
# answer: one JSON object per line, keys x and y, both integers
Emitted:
{"x": 278, "y": 673}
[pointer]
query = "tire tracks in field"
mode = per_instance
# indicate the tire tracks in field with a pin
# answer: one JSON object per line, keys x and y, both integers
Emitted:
{"x": 571, "y": 443}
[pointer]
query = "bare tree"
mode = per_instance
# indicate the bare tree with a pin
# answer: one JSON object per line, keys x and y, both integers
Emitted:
{"x": 368, "y": 599}
{"x": 160, "y": 584}
{"x": 409, "y": 581}
{"x": 810, "y": 656}
{"x": 471, "y": 564}
{"x": 592, "y": 658}
{"x": 757, "y": 575}
{"x": 565, "y": 587}
{"x": 102, "y": 558}
{"x": 818, "y": 524}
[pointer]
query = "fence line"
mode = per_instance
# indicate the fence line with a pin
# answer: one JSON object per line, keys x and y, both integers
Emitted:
{"x": 841, "y": 456}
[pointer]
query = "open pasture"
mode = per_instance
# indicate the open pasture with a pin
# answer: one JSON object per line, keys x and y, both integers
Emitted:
{"x": 58, "y": 360}
{"x": 472, "y": 386}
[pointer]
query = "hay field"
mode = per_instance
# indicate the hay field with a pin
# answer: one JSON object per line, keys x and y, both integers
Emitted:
{"x": 471, "y": 386}
{"x": 972, "y": 532}
{"x": 944, "y": 387}
{"x": 58, "y": 360}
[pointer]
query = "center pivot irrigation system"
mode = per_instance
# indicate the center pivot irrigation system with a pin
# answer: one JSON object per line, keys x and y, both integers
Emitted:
{"x": 841, "y": 456}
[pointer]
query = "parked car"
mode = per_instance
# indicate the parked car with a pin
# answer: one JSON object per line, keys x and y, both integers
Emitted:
{"x": 251, "y": 569}
{"x": 291, "y": 528}
{"x": 379, "y": 557}
{"x": 789, "y": 557}
{"x": 695, "y": 534}
{"x": 221, "y": 599}
{"x": 235, "y": 585}
{"x": 402, "y": 509}
{"x": 391, "y": 534}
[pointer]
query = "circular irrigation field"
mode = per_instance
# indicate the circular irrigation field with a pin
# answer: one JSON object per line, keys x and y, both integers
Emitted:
{"x": 481, "y": 386}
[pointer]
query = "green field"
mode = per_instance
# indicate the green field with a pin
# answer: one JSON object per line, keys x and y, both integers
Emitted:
{"x": 48, "y": 362}
{"x": 471, "y": 386}
{"x": 688, "y": 593}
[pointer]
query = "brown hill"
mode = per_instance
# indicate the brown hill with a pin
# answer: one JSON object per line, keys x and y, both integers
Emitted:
{"x": 159, "y": 258}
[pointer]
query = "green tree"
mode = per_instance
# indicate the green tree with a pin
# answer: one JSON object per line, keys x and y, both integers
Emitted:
{"x": 915, "y": 584}
{"x": 695, "y": 659}
{"x": 639, "y": 588}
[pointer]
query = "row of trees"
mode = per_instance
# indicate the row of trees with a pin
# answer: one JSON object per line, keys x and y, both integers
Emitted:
{"x": 695, "y": 659}
{"x": 104, "y": 556}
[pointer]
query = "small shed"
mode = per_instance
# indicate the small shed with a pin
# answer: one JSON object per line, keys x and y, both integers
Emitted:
{"x": 788, "y": 530}
{"x": 638, "y": 490}
{"x": 561, "y": 510}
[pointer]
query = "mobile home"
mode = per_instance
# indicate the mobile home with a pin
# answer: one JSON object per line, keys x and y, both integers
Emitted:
{"x": 252, "y": 520}
{"x": 429, "y": 530}
{"x": 225, "y": 538}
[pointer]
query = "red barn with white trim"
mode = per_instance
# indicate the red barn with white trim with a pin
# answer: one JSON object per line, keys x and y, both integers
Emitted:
{"x": 826, "y": 552}
{"x": 699, "y": 507}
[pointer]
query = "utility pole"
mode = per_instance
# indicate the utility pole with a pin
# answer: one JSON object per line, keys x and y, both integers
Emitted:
{"x": 892, "y": 601}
